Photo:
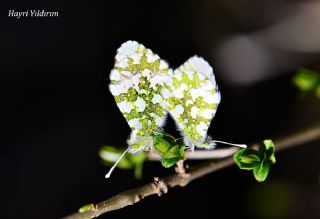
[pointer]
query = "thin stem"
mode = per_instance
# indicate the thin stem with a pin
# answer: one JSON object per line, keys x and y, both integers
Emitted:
{"x": 160, "y": 186}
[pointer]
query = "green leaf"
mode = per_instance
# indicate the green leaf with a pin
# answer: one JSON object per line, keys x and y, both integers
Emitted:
{"x": 157, "y": 137}
{"x": 85, "y": 208}
{"x": 166, "y": 146}
{"x": 169, "y": 162}
{"x": 248, "y": 166}
{"x": 261, "y": 172}
{"x": 172, "y": 156}
{"x": 268, "y": 146}
{"x": 237, "y": 157}
{"x": 257, "y": 160}
{"x": 247, "y": 159}
{"x": 173, "y": 151}
{"x": 161, "y": 146}
{"x": 306, "y": 80}
{"x": 250, "y": 156}
{"x": 272, "y": 159}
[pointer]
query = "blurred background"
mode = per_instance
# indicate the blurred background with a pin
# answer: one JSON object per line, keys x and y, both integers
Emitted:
{"x": 56, "y": 110}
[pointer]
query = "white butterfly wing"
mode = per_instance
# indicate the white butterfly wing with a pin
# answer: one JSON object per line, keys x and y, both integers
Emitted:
{"x": 193, "y": 100}
{"x": 137, "y": 81}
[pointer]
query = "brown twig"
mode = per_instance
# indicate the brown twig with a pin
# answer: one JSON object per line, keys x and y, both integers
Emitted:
{"x": 202, "y": 154}
{"x": 161, "y": 185}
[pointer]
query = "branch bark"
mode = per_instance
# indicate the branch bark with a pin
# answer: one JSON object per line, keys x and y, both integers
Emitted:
{"x": 161, "y": 185}
{"x": 201, "y": 155}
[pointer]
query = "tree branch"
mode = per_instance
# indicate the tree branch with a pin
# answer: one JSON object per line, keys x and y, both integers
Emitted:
{"x": 201, "y": 155}
{"x": 161, "y": 185}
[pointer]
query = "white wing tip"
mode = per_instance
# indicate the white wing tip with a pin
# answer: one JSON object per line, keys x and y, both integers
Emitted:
{"x": 201, "y": 66}
{"x": 128, "y": 47}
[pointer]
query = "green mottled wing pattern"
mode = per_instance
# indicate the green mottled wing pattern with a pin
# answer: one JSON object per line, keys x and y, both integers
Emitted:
{"x": 137, "y": 81}
{"x": 192, "y": 98}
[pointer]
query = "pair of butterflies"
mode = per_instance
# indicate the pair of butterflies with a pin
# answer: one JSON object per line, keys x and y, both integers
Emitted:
{"x": 146, "y": 90}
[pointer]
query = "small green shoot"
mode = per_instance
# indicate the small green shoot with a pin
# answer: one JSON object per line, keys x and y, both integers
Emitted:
{"x": 259, "y": 161}
{"x": 85, "y": 208}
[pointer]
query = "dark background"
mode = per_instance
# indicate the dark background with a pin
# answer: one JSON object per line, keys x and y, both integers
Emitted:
{"x": 56, "y": 110}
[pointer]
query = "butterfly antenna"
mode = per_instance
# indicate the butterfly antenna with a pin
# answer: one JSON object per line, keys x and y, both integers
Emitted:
{"x": 115, "y": 164}
{"x": 223, "y": 142}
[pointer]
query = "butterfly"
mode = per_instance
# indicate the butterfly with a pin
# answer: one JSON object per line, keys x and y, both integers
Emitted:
{"x": 146, "y": 90}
